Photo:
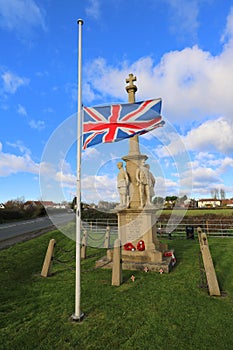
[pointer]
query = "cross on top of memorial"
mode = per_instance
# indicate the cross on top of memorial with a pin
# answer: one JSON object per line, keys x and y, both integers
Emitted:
{"x": 131, "y": 88}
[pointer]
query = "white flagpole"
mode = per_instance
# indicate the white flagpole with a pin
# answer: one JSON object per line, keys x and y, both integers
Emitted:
{"x": 78, "y": 315}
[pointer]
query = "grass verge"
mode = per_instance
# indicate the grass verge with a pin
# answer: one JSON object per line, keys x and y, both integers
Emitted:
{"x": 218, "y": 212}
{"x": 168, "y": 311}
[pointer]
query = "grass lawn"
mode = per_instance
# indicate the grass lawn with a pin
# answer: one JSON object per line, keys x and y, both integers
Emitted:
{"x": 199, "y": 212}
{"x": 168, "y": 311}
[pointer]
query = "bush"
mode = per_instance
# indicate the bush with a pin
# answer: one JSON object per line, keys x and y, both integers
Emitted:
{"x": 97, "y": 214}
{"x": 7, "y": 215}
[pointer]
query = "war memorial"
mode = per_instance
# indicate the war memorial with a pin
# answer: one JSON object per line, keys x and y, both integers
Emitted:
{"x": 140, "y": 248}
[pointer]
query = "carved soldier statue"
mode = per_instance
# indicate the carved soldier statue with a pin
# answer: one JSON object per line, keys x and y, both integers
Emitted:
{"x": 145, "y": 181}
{"x": 123, "y": 185}
{"x": 151, "y": 183}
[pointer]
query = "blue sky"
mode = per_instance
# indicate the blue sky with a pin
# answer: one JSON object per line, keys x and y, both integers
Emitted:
{"x": 181, "y": 51}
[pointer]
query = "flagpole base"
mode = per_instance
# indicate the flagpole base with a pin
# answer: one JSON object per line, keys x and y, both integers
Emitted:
{"x": 76, "y": 318}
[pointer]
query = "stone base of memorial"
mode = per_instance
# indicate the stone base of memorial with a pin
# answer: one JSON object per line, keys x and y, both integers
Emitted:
{"x": 135, "y": 225}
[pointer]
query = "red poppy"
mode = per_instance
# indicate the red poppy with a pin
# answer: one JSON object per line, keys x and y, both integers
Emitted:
{"x": 141, "y": 245}
{"x": 168, "y": 253}
{"x": 129, "y": 246}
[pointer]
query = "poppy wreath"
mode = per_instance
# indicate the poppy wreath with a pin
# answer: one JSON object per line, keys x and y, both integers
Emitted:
{"x": 129, "y": 246}
{"x": 168, "y": 254}
{"x": 141, "y": 245}
{"x": 171, "y": 254}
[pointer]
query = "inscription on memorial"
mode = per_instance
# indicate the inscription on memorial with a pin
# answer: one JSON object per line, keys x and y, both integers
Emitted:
{"x": 134, "y": 227}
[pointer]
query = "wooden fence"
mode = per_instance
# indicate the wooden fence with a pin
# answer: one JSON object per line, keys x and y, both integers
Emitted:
{"x": 97, "y": 230}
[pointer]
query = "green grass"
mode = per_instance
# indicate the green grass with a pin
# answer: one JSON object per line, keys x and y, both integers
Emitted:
{"x": 168, "y": 311}
{"x": 198, "y": 212}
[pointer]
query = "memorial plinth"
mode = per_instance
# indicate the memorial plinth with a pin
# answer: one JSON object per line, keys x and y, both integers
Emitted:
{"x": 136, "y": 225}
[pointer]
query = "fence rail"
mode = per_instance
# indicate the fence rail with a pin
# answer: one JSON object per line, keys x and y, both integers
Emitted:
{"x": 215, "y": 228}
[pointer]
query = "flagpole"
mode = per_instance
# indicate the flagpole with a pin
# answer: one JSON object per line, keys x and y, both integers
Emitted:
{"x": 78, "y": 315}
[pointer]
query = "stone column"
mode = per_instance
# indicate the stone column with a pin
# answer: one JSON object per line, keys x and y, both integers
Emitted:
{"x": 134, "y": 157}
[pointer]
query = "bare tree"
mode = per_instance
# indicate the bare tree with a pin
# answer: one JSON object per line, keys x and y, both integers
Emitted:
{"x": 222, "y": 193}
{"x": 212, "y": 192}
{"x": 215, "y": 193}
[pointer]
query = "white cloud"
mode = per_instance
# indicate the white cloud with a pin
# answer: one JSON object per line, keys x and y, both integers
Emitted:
{"x": 94, "y": 187}
{"x": 47, "y": 170}
{"x": 20, "y": 146}
{"x": 100, "y": 77}
{"x": 208, "y": 145}
{"x": 98, "y": 182}
{"x": 21, "y": 110}
{"x": 204, "y": 176}
{"x": 37, "y": 124}
{"x": 65, "y": 179}
{"x": 208, "y": 172}
{"x": 228, "y": 33}
{"x": 203, "y": 180}
{"x": 211, "y": 135}
{"x": 193, "y": 83}
{"x": 48, "y": 110}
{"x": 12, "y": 164}
{"x": 99, "y": 187}
{"x": 11, "y": 82}
{"x": 184, "y": 17}
{"x": 88, "y": 92}
{"x": 21, "y": 15}
{"x": 165, "y": 187}
{"x": 64, "y": 166}
{"x": 93, "y": 9}
{"x": 171, "y": 145}
{"x": 226, "y": 163}
{"x": 218, "y": 165}
{"x": 90, "y": 153}
{"x": 71, "y": 90}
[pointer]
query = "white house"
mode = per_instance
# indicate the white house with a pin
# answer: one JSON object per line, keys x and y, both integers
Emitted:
{"x": 209, "y": 203}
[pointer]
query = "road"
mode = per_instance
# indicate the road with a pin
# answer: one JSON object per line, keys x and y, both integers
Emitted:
{"x": 18, "y": 228}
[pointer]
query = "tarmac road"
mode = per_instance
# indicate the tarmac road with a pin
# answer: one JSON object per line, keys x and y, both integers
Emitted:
{"x": 11, "y": 231}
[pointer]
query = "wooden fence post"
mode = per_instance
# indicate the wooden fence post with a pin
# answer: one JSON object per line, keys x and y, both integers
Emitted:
{"x": 46, "y": 269}
{"x": 107, "y": 238}
{"x": 208, "y": 264}
{"x": 207, "y": 226}
{"x": 117, "y": 264}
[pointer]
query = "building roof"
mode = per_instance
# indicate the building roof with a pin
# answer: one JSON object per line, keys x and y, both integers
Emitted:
{"x": 209, "y": 200}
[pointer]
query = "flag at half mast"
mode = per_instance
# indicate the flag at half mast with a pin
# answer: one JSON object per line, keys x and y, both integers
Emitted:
{"x": 120, "y": 121}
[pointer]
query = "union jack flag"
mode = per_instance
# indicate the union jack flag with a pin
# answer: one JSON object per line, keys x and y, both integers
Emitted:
{"x": 119, "y": 121}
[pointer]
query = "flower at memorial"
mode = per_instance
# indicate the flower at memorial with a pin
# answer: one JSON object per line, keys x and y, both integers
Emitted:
{"x": 172, "y": 255}
{"x": 129, "y": 246}
{"x": 132, "y": 278}
{"x": 146, "y": 269}
{"x": 161, "y": 271}
{"x": 141, "y": 245}
{"x": 166, "y": 254}
{"x": 173, "y": 259}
